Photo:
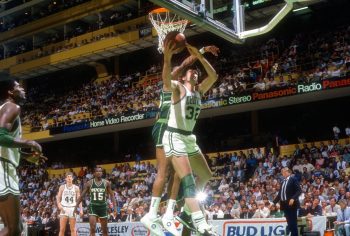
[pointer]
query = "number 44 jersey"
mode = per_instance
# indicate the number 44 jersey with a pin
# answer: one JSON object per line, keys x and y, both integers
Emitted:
{"x": 69, "y": 196}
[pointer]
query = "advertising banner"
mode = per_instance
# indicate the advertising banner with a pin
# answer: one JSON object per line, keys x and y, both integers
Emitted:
{"x": 263, "y": 227}
{"x": 235, "y": 227}
{"x": 115, "y": 229}
{"x": 246, "y": 97}
{"x": 113, "y": 120}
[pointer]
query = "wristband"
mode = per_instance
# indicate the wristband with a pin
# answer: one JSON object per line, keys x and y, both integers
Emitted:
{"x": 202, "y": 50}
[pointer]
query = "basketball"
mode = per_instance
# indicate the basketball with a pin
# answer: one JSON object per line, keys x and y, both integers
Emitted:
{"x": 178, "y": 38}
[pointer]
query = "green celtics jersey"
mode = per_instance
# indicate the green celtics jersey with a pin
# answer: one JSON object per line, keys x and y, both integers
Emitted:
{"x": 98, "y": 193}
{"x": 164, "y": 106}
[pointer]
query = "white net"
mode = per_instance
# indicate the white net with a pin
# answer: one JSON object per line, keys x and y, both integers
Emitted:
{"x": 164, "y": 22}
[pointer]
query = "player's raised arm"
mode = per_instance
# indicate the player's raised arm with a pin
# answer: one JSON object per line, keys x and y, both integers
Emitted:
{"x": 208, "y": 82}
{"x": 168, "y": 52}
{"x": 177, "y": 71}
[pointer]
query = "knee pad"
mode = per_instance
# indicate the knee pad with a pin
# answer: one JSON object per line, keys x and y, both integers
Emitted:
{"x": 188, "y": 186}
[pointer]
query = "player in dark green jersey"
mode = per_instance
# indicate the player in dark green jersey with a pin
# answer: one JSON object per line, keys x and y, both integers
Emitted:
{"x": 98, "y": 189}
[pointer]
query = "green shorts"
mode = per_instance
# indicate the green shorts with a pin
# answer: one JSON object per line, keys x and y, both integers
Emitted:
{"x": 158, "y": 132}
{"x": 99, "y": 211}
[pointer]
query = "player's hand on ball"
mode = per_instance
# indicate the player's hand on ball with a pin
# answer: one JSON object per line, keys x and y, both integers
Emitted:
{"x": 212, "y": 49}
{"x": 169, "y": 48}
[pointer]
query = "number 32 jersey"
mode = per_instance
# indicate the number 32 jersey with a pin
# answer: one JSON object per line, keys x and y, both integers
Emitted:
{"x": 69, "y": 196}
{"x": 184, "y": 113}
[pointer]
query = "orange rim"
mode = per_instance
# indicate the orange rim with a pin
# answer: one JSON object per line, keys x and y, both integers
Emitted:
{"x": 164, "y": 10}
{"x": 159, "y": 10}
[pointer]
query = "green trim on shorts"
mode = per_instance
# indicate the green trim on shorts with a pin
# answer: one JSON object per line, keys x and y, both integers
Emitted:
{"x": 158, "y": 133}
{"x": 179, "y": 131}
{"x": 194, "y": 153}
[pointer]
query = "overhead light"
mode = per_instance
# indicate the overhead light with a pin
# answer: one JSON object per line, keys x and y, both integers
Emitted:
{"x": 300, "y": 9}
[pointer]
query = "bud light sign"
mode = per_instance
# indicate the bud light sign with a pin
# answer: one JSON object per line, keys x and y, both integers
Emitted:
{"x": 266, "y": 226}
{"x": 255, "y": 230}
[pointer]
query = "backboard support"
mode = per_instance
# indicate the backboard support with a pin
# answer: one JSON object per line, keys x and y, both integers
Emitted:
{"x": 201, "y": 12}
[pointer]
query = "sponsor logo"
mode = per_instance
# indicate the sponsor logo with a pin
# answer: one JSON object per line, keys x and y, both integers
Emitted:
{"x": 83, "y": 231}
{"x": 116, "y": 120}
{"x": 328, "y": 84}
{"x": 255, "y": 231}
{"x": 214, "y": 103}
{"x": 236, "y": 100}
{"x": 274, "y": 94}
{"x": 302, "y": 88}
{"x": 141, "y": 230}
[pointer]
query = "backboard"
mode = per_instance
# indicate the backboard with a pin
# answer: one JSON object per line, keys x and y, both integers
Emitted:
{"x": 226, "y": 18}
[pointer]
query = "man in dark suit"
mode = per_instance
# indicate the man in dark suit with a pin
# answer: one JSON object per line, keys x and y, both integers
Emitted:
{"x": 245, "y": 213}
{"x": 288, "y": 196}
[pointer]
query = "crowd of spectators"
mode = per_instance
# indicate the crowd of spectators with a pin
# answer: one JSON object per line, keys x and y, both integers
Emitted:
{"x": 104, "y": 19}
{"x": 29, "y": 15}
{"x": 118, "y": 96}
{"x": 111, "y": 97}
{"x": 244, "y": 185}
{"x": 307, "y": 58}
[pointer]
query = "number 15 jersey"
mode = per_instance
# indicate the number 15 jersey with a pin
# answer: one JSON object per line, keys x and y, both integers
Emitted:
{"x": 184, "y": 113}
{"x": 69, "y": 196}
{"x": 98, "y": 193}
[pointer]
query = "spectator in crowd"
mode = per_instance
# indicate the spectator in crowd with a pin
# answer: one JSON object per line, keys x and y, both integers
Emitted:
{"x": 262, "y": 211}
{"x": 336, "y": 132}
{"x": 315, "y": 209}
{"x": 347, "y": 131}
{"x": 343, "y": 218}
{"x": 332, "y": 208}
{"x": 52, "y": 226}
{"x": 245, "y": 213}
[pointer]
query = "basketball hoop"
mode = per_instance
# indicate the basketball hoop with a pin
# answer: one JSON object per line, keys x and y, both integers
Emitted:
{"x": 165, "y": 21}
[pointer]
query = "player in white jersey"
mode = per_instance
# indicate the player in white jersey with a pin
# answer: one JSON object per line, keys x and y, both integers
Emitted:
{"x": 11, "y": 92}
{"x": 151, "y": 220}
{"x": 178, "y": 140}
{"x": 66, "y": 198}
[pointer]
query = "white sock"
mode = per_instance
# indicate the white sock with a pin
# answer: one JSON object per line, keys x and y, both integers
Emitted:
{"x": 153, "y": 208}
{"x": 199, "y": 221}
{"x": 169, "y": 213}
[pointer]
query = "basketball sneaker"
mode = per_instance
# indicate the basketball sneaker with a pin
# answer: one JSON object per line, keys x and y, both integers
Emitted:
{"x": 205, "y": 230}
{"x": 153, "y": 224}
{"x": 201, "y": 225}
{"x": 185, "y": 219}
{"x": 169, "y": 225}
